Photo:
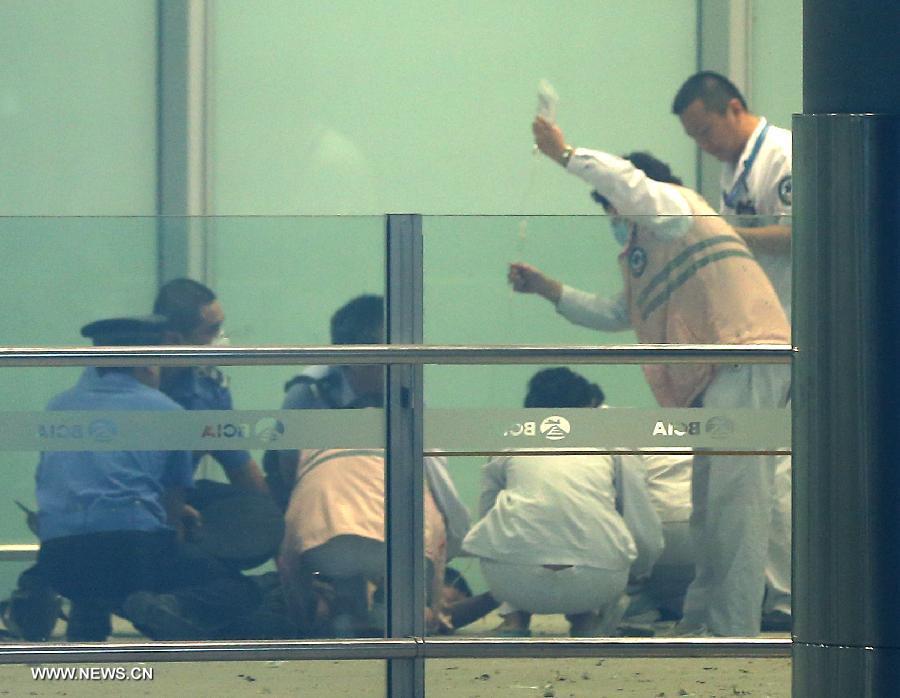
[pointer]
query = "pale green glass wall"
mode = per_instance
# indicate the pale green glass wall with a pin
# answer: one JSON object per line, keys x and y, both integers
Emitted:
{"x": 78, "y": 117}
{"x": 776, "y": 59}
{"x": 359, "y": 106}
{"x": 77, "y": 107}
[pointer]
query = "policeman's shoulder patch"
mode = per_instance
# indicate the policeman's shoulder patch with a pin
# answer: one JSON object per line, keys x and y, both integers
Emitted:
{"x": 785, "y": 190}
{"x": 214, "y": 375}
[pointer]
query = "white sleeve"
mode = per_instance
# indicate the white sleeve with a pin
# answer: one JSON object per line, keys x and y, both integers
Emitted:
{"x": 493, "y": 481}
{"x": 591, "y": 310}
{"x": 632, "y": 192}
{"x": 640, "y": 515}
{"x": 456, "y": 516}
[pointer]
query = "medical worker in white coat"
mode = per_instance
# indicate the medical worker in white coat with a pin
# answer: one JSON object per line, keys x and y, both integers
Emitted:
{"x": 756, "y": 195}
{"x": 562, "y": 533}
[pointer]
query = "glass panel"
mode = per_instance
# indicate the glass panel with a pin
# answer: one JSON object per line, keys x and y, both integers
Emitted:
{"x": 630, "y": 678}
{"x": 581, "y": 516}
{"x": 316, "y": 131}
{"x": 120, "y": 468}
{"x": 278, "y": 281}
{"x": 61, "y": 273}
{"x": 277, "y": 678}
{"x": 685, "y": 280}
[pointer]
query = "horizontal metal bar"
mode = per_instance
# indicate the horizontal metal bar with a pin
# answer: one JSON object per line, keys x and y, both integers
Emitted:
{"x": 260, "y": 650}
{"x": 609, "y": 452}
{"x": 19, "y": 552}
{"x": 396, "y": 354}
{"x": 624, "y": 647}
{"x": 455, "y": 648}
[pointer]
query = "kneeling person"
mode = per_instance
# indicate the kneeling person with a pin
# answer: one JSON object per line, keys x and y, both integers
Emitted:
{"x": 110, "y": 521}
{"x": 553, "y": 537}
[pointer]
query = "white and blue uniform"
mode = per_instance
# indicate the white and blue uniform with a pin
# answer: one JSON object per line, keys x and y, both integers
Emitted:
{"x": 760, "y": 187}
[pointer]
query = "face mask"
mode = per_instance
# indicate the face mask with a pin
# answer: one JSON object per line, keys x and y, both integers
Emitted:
{"x": 621, "y": 231}
{"x": 221, "y": 340}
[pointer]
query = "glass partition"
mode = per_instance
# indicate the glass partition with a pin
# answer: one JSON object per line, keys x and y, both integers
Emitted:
{"x": 542, "y": 482}
{"x": 685, "y": 280}
{"x": 295, "y": 454}
{"x": 163, "y": 516}
{"x": 252, "y": 431}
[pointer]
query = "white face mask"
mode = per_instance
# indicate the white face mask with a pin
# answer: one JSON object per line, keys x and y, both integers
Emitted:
{"x": 621, "y": 231}
{"x": 221, "y": 340}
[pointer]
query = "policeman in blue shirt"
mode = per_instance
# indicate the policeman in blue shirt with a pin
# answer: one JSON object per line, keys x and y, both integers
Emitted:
{"x": 110, "y": 522}
{"x": 195, "y": 317}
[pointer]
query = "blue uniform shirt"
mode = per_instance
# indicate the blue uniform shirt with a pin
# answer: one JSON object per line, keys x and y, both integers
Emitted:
{"x": 206, "y": 388}
{"x": 82, "y": 492}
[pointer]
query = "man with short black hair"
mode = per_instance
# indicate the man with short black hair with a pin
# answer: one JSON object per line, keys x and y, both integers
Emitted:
{"x": 195, "y": 317}
{"x": 756, "y": 183}
{"x": 756, "y": 172}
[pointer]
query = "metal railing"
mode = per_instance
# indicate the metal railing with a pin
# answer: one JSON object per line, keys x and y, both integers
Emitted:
{"x": 405, "y": 648}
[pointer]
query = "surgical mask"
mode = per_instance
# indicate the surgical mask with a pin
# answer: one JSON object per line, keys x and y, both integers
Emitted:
{"x": 221, "y": 340}
{"x": 621, "y": 231}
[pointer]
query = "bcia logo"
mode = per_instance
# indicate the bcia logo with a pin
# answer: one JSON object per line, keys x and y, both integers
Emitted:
{"x": 103, "y": 430}
{"x": 227, "y": 431}
{"x": 269, "y": 429}
{"x": 717, "y": 427}
{"x": 676, "y": 429}
{"x": 556, "y": 428}
{"x": 552, "y": 428}
{"x": 61, "y": 431}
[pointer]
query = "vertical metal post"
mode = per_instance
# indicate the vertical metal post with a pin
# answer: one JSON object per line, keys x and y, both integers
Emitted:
{"x": 723, "y": 45}
{"x": 404, "y": 476}
{"x": 181, "y": 140}
{"x": 847, "y": 374}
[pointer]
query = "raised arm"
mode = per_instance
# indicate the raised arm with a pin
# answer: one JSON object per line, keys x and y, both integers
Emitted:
{"x": 578, "y": 307}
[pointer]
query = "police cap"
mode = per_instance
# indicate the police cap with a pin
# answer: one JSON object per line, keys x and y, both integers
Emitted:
{"x": 126, "y": 331}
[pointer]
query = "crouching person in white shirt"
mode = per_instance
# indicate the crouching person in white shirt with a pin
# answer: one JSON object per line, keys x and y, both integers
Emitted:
{"x": 562, "y": 533}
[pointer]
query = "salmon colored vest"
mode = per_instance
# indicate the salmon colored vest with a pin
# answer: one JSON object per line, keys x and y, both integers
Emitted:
{"x": 702, "y": 287}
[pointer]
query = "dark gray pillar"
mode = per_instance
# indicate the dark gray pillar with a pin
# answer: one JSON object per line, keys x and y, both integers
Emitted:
{"x": 847, "y": 372}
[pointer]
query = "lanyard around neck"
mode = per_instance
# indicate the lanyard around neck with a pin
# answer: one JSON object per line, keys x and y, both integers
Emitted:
{"x": 740, "y": 186}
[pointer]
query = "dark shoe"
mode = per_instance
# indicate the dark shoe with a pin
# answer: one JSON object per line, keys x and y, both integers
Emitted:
{"x": 31, "y": 614}
{"x": 777, "y": 622}
{"x": 89, "y": 621}
{"x": 160, "y": 617}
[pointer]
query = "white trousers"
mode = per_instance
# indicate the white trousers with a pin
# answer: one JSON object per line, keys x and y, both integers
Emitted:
{"x": 733, "y": 501}
{"x": 778, "y": 565}
{"x": 536, "y": 589}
